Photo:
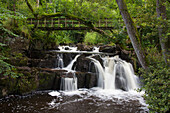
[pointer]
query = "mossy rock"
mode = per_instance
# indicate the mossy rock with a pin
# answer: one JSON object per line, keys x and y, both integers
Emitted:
{"x": 26, "y": 84}
{"x": 46, "y": 80}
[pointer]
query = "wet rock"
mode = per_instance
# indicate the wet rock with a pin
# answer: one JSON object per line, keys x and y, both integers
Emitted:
{"x": 36, "y": 54}
{"x": 82, "y": 47}
{"x": 48, "y": 63}
{"x": 67, "y": 48}
{"x": 107, "y": 49}
{"x": 67, "y": 58}
{"x": 46, "y": 80}
{"x": 49, "y": 79}
{"x": 86, "y": 79}
{"x": 98, "y": 57}
{"x": 90, "y": 80}
{"x": 82, "y": 64}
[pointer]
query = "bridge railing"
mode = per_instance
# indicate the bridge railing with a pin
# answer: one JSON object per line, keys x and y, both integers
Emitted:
{"x": 68, "y": 23}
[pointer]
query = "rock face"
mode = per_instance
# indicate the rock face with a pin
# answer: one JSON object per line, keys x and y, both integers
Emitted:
{"x": 39, "y": 73}
{"x": 31, "y": 80}
{"x": 82, "y": 64}
{"x": 50, "y": 59}
{"x": 86, "y": 79}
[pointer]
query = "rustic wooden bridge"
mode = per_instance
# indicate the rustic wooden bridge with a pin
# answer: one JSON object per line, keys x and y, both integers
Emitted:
{"x": 64, "y": 23}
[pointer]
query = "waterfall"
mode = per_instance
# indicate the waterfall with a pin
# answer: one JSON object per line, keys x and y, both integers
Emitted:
{"x": 69, "y": 67}
{"x": 69, "y": 83}
{"x": 116, "y": 74}
{"x": 100, "y": 72}
{"x": 60, "y": 63}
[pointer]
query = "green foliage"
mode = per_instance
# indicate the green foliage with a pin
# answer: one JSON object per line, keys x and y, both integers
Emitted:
{"x": 93, "y": 38}
{"x": 5, "y": 14}
{"x": 6, "y": 69}
{"x": 156, "y": 83}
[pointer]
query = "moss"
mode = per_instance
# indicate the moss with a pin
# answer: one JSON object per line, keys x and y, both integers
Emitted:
{"x": 46, "y": 80}
{"x": 26, "y": 84}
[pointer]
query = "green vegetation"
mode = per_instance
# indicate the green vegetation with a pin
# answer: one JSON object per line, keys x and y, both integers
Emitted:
{"x": 156, "y": 82}
{"x": 13, "y": 14}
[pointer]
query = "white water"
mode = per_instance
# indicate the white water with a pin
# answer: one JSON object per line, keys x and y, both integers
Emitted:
{"x": 74, "y": 49}
{"x": 115, "y": 67}
{"x": 60, "y": 63}
{"x": 69, "y": 67}
{"x": 71, "y": 49}
{"x": 69, "y": 84}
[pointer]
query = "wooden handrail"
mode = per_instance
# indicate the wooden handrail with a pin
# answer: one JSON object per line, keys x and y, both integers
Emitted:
{"x": 63, "y": 23}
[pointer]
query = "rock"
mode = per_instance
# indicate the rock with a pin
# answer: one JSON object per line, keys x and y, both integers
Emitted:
{"x": 98, "y": 57}
{"x": 82, "y": 64}
{"x": 23, "y": 68}
{"x": 86, "y": 79}
{"x": 67, "y": 48}
{"x": 90, "y": 80}
{"x": 82, "y": 47}
{"x": 108, "y": 49}
{"x": 36, "y": 54}
{"x": 46, "y": 80}
{"x": 68, "y": 57}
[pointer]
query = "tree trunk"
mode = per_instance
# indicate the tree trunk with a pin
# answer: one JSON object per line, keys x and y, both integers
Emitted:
{"x": 162, "y": 29}
{"x": 31, "y": 8}
{"x": 132, "y": 32}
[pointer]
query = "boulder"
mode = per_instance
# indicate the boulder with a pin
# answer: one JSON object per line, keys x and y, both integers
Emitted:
{"x": 82, "y": 47}
{"x": 82, "y": 64}
{"x": 107, "y": 49}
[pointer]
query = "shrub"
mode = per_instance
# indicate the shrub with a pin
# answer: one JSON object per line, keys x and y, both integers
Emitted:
{"x": 156, "y": 83}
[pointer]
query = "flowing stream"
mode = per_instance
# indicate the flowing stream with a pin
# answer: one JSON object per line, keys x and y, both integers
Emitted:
{"x": 115, "y": 92}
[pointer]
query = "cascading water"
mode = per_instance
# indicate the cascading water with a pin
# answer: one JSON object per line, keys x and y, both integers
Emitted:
{"x": 69, "y": 67}
{"x": 60, "y": 63}
{"x": 69, "y": 83}
{"x": 116, "y": 74}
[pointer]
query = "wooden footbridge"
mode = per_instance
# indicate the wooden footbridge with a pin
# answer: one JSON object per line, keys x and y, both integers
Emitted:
{"x": 63, "y": 23}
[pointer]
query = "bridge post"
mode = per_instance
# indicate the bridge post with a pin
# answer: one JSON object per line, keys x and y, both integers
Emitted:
{"x": 65, "y": 22}
{"x": 99, "y": 22}
{"x": 58, "y": 22}
{"x": 45, "y": 22}
{"x": 72, "y": 23}
{"x": 38, "y": 23}
{"x": 106, "y": 22}
{"x": 51, "y": 22}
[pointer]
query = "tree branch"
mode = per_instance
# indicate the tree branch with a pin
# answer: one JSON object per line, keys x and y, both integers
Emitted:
{"x": 30, "y": 7}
